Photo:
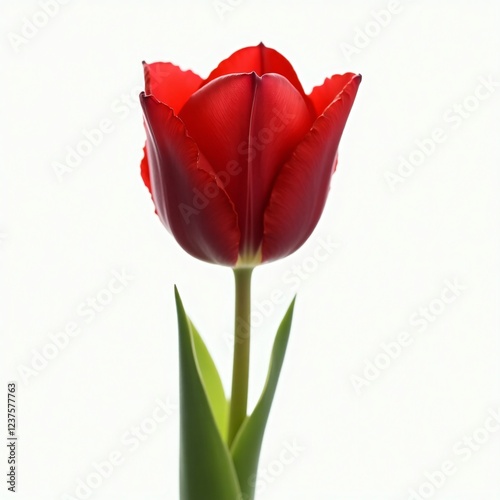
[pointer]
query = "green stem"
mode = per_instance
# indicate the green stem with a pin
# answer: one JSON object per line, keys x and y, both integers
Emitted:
{"x": 241, "y": 359}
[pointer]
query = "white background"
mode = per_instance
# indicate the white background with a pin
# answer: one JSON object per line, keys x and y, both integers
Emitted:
{"x": 394, "y": 250}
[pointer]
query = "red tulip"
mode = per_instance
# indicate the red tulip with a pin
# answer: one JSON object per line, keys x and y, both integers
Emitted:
{"x": 239, "y": 164}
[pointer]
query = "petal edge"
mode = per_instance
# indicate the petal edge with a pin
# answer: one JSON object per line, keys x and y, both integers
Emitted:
{"x": 170, "y": 84}
{"x": 259, "y": 59}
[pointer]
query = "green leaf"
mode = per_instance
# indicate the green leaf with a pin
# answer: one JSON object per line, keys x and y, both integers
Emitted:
{"x": 206, "y": 468}
{"x": 246, "y": 446}
{"x": 212, "y": 382}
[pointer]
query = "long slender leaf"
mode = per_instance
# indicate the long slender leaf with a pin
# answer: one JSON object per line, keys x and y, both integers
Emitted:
{"x": 212, "y": 382}
{"x": 206, "y": 469}
{"x": 247, "y": 444}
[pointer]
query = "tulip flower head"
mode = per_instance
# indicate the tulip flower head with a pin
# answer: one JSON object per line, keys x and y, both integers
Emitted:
{"x": 239, "y": 164}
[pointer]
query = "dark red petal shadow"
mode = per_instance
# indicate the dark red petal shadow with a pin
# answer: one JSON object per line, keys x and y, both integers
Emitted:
{"x": 179, "y": 175}
{"x": 301, "y": 189}
{"x": 247, "y": 127}
{"x": 169, "y": 84}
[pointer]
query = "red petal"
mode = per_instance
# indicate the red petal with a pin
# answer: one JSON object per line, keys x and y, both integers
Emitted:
{"x": 169, "y": 84}
{"x": 145, "y": 170}
{"x": 259, "y": 59}
{"x": 300, "y": 192}
{"x": 247, "y": 127}
{"x": 322, "y": 95}
{"x": 145, "y": 173}
{"x": 188, "y": 199}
